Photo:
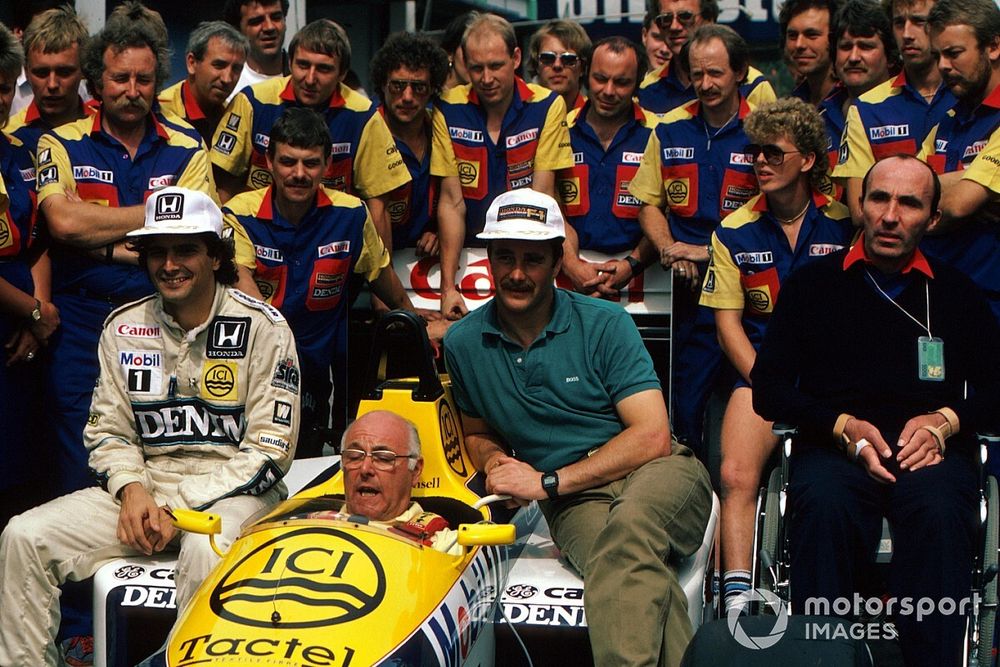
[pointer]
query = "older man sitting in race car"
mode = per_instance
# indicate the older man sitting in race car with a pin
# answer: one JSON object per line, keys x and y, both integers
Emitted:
{"x": 378, "y": 488}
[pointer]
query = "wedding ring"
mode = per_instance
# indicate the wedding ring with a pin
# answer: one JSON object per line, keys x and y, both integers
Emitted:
{"x": 30, "y": 356}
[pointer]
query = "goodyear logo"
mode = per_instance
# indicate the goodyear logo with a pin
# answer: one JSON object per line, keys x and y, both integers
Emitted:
{"x": 522, "y": 138}
{"x": 465, "y": 134}
{"x": 631, "y": 158}
{"x": 678, "y": 153}
{"x": 93, "y": 174}
{"x": 450, "y": 439}
{"x": 677, "y": 191}
{"x": 888, "y": 132}
{"x": 307, "y": 578}
{"x": 219, "y": 381}
{"x": 468, "y": 173}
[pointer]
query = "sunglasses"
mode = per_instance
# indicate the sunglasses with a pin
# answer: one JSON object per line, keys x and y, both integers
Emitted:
{"x": 684, "y": 17}
{"x": 566, "y": 59}
{"x": 773, "y": 155}
{"x": 398, "y": 86}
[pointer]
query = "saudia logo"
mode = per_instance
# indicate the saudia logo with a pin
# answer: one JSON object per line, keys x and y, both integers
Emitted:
{"x": 307, "y": 578}
{"x": 188, "y": 421}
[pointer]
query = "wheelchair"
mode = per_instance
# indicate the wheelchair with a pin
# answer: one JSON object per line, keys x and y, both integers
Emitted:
{"x": 772, "y": 563}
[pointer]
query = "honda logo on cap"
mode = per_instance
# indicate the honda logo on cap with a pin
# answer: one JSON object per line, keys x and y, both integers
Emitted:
{"x": 169, "y": 206}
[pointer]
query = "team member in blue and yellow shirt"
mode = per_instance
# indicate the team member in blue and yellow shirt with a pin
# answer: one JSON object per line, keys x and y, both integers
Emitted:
{"x": 297, "y": 244}
{"x": 492, "y": 135}
{"x": 895, "y": 116}
{"x": 964, "y": 148}
{"x": 806, "y": 27}
{"x": 695, "y": 171}
{"x": 93, "y": 177}
{"x": 608, "y": 136}
{"x": 789, "y": 224}
{"x": 216, "y": 53}
{"x": 407, "y": 72}
{"x": 669, "y": 86}
{"x": 365, "y": 161}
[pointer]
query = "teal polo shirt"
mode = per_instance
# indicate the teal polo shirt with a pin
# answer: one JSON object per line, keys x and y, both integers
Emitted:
{"x": 555, "y": 401}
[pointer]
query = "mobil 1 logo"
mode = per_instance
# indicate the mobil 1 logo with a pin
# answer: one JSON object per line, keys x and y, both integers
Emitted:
{"x": 228, "y": 338}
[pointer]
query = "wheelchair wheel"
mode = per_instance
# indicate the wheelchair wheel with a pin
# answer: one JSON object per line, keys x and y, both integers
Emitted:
{"x": 988, "y": 611}
{"x": 770, "y": 540}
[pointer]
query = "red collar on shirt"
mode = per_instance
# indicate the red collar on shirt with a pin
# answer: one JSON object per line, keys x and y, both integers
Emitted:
{"x": 191, "y": 106}
{"x": 336, "y": 99}
{"x": 264, "y": 211}
{"x": 857, "y": 253}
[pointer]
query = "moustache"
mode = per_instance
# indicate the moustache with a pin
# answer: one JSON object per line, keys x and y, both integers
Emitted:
{"x": 123, "y": 104}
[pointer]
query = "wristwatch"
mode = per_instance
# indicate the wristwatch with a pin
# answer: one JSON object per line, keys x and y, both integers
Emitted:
{"x": 634, "y": 264}
{"x": 36, "y": 314}
{"x": 550, "y": 482}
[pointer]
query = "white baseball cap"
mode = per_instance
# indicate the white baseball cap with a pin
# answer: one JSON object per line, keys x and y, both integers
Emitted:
{"x": 524, "y": 214}
{"x": 176, "y": 210}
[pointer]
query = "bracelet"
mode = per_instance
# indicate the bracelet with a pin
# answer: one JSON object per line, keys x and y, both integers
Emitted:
{"x": 938, "y": 435}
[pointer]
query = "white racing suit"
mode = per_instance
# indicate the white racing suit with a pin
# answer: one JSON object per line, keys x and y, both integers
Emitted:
{"x": 205, "y": 418}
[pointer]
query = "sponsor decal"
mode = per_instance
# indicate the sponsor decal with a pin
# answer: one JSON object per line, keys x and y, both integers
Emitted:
{"x": 740, "y": 159}
{"x": 260, "y": 178}
{"x": 93, "y": 418}
{"x": 273, "y": 254}
{"x": 334, "y": 248}
{"x": 564, "y": 593}
{"x": 340, "y": 149}
{"x": 282, "y": 413}
{"x": 450, "y": 439}
{"x": 432, "y": 483}
{"x": 520, "y": 591}
{"x": 286, "y": 376}
{"x": 522, "y": 212}
{"x": 626, "y": 199}
{"x": 273, "y": 313}
{"x": 274, "y": 442}
{"x": 88, "y": 173}
{"x": 205, "y": 649}
{"x": 129, "y": 572}
{"x": 709, "y": 285}
{"x": 316, "y": 576}
{"x": 465, "y": 134}
{"x": 160, "y": 182}
{"x": 143, "y": 372}
{"x": 186, "y": 421}
{"x": 467, "y": 173}
{"x": 940, "y": 145}
{"x": 759, "y": 299}
{"x": 844, "y": 154}
{"x": 155, "y": 597}
{"x": 44, "y": 156}
{"x": 48, "y": 175}
{"x": 522, "y": 138}
{"x": 820, "y": 249}
{"x": 762, "y": 257}
{"x": 5, "y": 235}
{"x": 27, "y": 175}
{"x": 577, "y": 158}
{"x": 678, "y": 153}
{"x": 522, "y": 182}
{"x": 974, "y": 149}
{"x": 219, "y": 381}
{"x": 262, "y": 139}
{"x": 545, "y": 614}
{"x": 518, "y": 167}
{"x": 138, "y": 330}
{"x": 888, "y": 132}
{"x": 569, "y": 190}
{"x": 677, "y": 191}
{"x": 169, "y": 206}
{"x": 631, "y": 158}
{"x": 225, "y": 143}
{"x": 397, "y": 212}
{"x": 228, "y": 337}
{"x": 233, "y": 122}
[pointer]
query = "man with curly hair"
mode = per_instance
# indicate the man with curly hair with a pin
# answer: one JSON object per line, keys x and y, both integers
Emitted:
{"x": 789, "y": 224}
{"x": 407, "y": 72}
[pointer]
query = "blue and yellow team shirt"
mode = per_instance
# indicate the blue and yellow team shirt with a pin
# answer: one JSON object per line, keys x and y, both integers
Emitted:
{"x": 81, "y": 156}
{"x": 303, "y": 270}
{"x": 968, "y": 140}
{"x": 364, "y": 159}
{"x": 179, "y": 101}
{"x": 889, "y": 119}
{"x": 595, "y": 192}
{"x": 413, "y": 207}
{"x": 661, "y": 91}
{"x": 751, "y": 257}
{"x": 698, "y": 174}
{"x": 831, "y": 110}
{"x": 28, "y": 127}
{"x": 17, "y": 218}
{"x": 533, "y": 136}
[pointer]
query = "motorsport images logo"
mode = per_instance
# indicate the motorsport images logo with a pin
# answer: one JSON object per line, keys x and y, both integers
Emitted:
{"x": 733, "y": 617}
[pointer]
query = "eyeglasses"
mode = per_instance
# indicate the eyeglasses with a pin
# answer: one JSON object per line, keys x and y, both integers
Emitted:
{"x": 685, "y": 17}
{"x": 773, "y": 155}
{"x": 398, "y": 86}
{"x": 566, "y": 59}
{"x": 381, "y": 459}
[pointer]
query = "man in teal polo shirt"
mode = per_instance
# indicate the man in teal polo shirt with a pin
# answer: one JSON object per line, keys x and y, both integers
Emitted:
{"x": 560, "y": 404}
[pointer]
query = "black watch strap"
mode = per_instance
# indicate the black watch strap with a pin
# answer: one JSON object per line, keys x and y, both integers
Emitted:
{"x": 634, "y": 264}
{"x": 550, "y": 483}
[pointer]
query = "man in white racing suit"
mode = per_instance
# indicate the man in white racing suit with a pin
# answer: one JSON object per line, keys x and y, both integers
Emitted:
{"x": 180, "y": 418}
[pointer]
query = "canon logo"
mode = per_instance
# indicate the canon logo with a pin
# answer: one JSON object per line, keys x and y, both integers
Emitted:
{"x": 138, "y": 330}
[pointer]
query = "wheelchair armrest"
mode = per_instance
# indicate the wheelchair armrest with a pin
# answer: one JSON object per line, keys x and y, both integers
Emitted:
{"x": 988, "y": 437}
{"x": 784, "y": 430}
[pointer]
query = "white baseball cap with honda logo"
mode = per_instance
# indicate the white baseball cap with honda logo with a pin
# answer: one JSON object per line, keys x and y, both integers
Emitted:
{"x": 524, "y": 214}
{"x": 176, "y": 210}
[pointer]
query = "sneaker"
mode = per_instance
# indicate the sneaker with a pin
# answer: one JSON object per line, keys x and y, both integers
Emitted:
{"x": 78, "y": 651}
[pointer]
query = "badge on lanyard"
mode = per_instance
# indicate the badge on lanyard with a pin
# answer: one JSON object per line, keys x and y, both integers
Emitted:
{"x": 930, "y": 359}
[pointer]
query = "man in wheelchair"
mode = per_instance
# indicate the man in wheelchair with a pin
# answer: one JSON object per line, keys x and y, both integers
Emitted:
{"x": 888, "y": 363}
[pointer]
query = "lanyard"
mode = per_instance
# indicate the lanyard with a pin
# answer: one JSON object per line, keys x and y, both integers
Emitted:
{"x": 927, "y": 294}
